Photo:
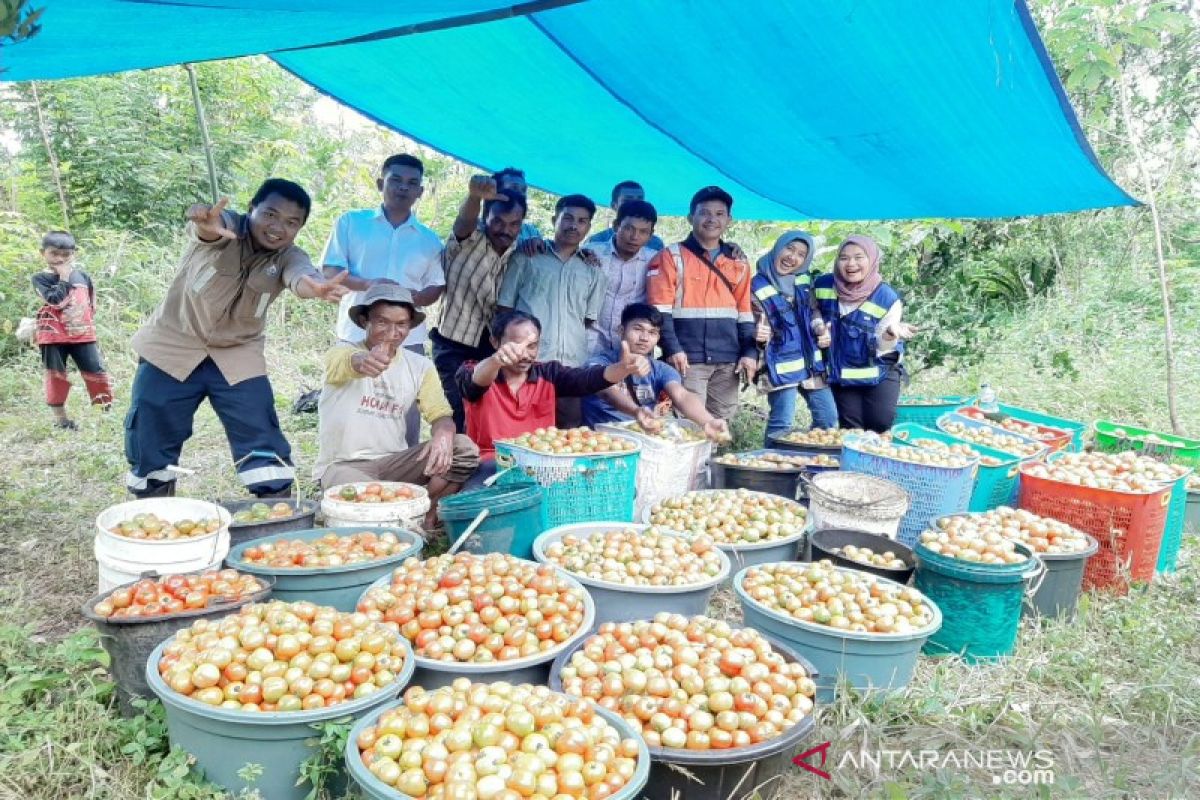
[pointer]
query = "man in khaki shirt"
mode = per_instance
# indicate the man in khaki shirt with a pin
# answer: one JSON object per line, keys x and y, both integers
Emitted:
{"x": 370, "y": 388}
{"x": 205, "y": 340}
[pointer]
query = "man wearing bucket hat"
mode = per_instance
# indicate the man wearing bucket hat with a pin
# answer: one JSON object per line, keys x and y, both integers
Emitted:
{"x": 369, "y": 388}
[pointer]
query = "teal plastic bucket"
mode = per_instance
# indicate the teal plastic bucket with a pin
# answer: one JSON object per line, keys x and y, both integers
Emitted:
{"x": 1172, "y": 538}
{"x": 224, "y": 741}
{"x": 339, "y": 587}
{"x": 980, "y": 603}
{"x": 867, "y": 661}
{"x": 516, "y": 515}
{"x": 372, "y": 788}
{"x": 1058, "y": 593}
{"x": 432, "y": 674}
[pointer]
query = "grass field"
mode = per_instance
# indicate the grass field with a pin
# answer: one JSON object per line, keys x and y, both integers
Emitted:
{"x": 1112, "y": 697}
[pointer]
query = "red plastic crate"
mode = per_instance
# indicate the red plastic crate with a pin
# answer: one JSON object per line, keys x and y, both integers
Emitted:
{"x": 1129, "y": 527}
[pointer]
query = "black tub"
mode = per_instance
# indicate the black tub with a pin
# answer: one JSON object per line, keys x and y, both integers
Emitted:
{"x": 304, "y": 514}
{"x": 823, "y": 542}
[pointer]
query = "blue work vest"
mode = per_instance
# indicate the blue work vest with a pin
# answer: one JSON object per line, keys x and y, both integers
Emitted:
{"x": 792, "y": 354}
{"x": 853, "y": 360}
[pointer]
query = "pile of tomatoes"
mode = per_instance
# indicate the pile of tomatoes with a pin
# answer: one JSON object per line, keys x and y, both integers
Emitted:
{"x": 1039, "y": 534}
{"x": 373, "y": 493}
{"x": 175, "y": 593}
{"x": 282, "y": 657}
{"x": 261, "y": 512}
{"x": 638, "y": 558}
{"x": 497, "y": 742}
{"x": 155, "y": 528}
{"x": 867, "y": 556}
{"x": 777, "y": 461}
{"x": 691, "y": 683}
{"x": 970, "y": 538}
{"x": 328, "y": 550}
{"x": 844, "y": 599}
{"x": 573, "y": 441}
{"x": 959, "y": 449}
{"x": 731, "y": 516}
{"x": 478, "y": 609}
{"x": 820, "y": 437}
{"x": 994, "y": 438}
{"x": 917, "y": 455}
{"x": 1026, "y": 429}
{"x": 1120, "y": 472}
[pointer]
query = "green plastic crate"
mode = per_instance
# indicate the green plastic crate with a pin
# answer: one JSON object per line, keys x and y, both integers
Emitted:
{"x": 1077, "y": 429}
{"x": 1168, "y": 551}
{"x": 994, "y": 485}
{"x": 1185, "y": 451}
{"x": 926, "y": 410}
{"x": 578, "y": 488}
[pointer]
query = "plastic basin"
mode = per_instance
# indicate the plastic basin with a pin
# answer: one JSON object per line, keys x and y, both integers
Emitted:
{"x": 224, "y": 741}
{"x": 779, "y": 443}
{"x": 981, "y": 603}
{"x": 339, "y": 587}
{"x": 516, "y": 515}
{"x": 786, "y": 548}
{"x": 822, "y": 544}
{"x": 783, "y": 481}
{"x": 1058, "y": 593}
{"x": 617, "y": 602}
{"x": 869, "y": 662}
{"x": 129, "y": 642}
{"x": 304, "y": 515}
{"x": 719, "y": 774}
{"x": 534, "y": 669}
{"x": 372, "y": 788}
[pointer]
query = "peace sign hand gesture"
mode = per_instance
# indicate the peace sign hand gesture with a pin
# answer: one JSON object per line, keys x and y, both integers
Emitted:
{"x": 209, "y": 221}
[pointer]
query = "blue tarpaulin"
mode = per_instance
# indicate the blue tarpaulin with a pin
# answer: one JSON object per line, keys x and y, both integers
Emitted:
{"x": 859, "y": 109}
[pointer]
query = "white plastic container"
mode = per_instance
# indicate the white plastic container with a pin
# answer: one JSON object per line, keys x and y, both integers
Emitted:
{"x": 121, "y": 559}
{"x": 409, "y": 513}
{"x": 856, "y": 501}
{"x": 666, "y": 468}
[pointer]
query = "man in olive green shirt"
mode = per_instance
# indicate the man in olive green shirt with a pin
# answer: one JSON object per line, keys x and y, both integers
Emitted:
{"x": 206, "y": 341}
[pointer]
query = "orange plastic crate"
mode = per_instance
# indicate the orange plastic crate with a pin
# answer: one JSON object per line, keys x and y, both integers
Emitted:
{"x": 1129, "y": 527}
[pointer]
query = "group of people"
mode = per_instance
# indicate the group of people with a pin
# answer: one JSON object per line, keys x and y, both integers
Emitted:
{"x": 531, "y": 331}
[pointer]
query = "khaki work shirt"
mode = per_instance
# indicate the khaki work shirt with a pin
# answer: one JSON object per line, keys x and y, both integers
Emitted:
{"x": 217, "y": 304}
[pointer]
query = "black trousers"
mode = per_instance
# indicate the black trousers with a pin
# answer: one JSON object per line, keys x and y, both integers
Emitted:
{"x": 448, "y": 356}
{"x": 871, "y": 408}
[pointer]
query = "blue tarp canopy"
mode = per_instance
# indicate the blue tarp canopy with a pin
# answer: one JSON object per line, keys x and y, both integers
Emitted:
{"x": 829, "y": 109}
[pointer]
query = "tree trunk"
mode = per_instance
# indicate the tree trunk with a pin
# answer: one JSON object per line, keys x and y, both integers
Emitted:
{"x": 54, "y": 170}
{"x": 1151, "y": 196}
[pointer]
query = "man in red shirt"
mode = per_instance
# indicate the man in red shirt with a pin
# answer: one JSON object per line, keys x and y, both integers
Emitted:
{"x": 511, "y": 392}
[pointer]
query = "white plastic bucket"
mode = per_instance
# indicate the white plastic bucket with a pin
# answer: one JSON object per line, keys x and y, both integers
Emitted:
{"x": 856, "y": 501}
{"x": 666, "y": 469}
{"x": 121, "y": 559}
{"x": 339, "y": 513}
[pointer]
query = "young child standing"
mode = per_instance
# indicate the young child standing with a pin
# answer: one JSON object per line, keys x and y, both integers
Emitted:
{"x": 66, "y": 327}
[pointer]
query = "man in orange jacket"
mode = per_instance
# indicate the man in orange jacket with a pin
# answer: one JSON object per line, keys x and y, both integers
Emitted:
{"x": 703, "y": 292}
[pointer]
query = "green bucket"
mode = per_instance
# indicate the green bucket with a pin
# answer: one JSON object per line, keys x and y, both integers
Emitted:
{"x": 516, "y": 515}
{"x": 224, "y": 741}
{"x": 339, "y": 586}
{"x": 1112, "y": 436}
{"x": 980, "y": 603}
{"x": 868, "y": 662}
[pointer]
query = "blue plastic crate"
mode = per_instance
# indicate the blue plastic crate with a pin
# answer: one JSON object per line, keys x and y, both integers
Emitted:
{"x": 995, "y": 485}
{"x": 935, "y": 491}
{"x": 1016, "y": 437}
{"x": 598, "y": 487}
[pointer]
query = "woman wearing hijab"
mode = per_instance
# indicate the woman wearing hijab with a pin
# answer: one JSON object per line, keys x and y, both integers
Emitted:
{"x": 868, "y": 336}
{"x": 793, "y": 333}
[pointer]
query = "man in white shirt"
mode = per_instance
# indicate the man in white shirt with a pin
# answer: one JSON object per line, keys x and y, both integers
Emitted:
{"x": 387, "y": 244}
{"x": 623, "y": 260}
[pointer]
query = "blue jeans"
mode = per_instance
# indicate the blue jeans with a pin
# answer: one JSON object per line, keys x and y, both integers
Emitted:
{"x": 783, "y": 410}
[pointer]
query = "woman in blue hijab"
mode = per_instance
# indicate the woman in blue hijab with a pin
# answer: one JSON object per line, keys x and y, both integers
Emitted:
{"x": 793, "y": 333}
